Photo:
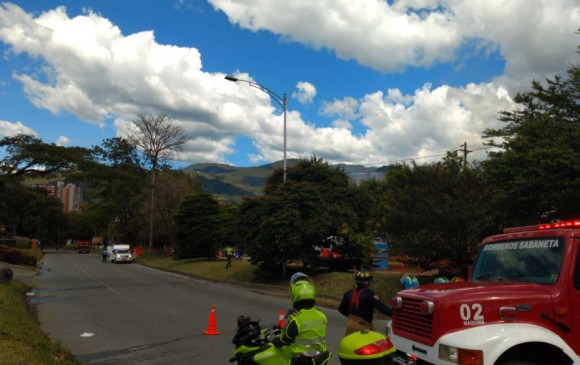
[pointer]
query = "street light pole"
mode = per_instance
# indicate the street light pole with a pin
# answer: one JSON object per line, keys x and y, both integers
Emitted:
{"x": 280, "y": 100}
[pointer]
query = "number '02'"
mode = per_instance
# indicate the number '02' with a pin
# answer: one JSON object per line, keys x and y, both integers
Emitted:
{"x": 465, "y": 312}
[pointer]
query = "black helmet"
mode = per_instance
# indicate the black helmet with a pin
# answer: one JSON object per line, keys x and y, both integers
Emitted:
{"x": 363, "y": 277}
{"x": 248, "y": 332}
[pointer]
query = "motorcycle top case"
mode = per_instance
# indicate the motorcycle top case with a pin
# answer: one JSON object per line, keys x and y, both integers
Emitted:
{"x": 365, "y": 347}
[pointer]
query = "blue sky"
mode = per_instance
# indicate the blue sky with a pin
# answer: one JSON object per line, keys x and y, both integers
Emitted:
{"x": 368, "y": 82}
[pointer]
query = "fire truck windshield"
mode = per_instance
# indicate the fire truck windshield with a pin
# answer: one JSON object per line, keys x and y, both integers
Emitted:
{"x": 535, "y": 260}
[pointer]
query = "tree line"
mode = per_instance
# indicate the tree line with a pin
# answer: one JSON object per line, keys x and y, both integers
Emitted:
{"x": 431, "y": 214}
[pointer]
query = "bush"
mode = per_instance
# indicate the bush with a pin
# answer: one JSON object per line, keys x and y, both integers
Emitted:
{"x": 16, "y": 257}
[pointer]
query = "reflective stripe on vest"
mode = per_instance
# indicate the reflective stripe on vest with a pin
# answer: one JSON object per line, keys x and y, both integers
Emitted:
{"x": 311, "y": 325}
{"x": 309, "y": 341}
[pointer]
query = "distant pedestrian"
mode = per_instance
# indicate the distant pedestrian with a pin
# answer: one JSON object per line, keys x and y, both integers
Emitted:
{"x": 229, "y": 254}
{"x": 105, "y": 254}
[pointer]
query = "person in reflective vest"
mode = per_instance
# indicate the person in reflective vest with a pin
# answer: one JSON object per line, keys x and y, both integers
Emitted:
{"x": 305, "y": 333}
{"x": 359, "y": 303}
{"x": 229, "y": 254}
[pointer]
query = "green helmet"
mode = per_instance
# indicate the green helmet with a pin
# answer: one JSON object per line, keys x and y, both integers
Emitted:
{"x": 301, "y": 288}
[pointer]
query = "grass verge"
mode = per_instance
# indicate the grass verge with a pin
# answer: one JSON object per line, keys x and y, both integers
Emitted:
{"x": 21, "y": 339}
{"x": 330, "y": 286}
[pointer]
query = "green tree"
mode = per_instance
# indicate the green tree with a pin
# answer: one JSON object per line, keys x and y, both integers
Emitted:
{"x": 28, "y": 211}
{"x": 28, "y": 156}
{"x": 227, "y": 231}
{"x": 117, "y": 189}
{"x": 535, "y": 173}
{"x": 372, "y": 193}
{"x": 172, "y": 188}
{"x": 295, "y": 218}
{"x": 80, "y": 226}
{"x": 434, "y": 212}
{"x": 32, "y": 212}
{"x": 196, "y": 224}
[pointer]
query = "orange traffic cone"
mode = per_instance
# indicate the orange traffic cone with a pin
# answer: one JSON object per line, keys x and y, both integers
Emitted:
{"x": 281, "y": 322}
{"x": 211, "y": 326}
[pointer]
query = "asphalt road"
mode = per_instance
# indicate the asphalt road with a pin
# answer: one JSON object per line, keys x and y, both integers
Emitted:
{"x": 130, "y": 314}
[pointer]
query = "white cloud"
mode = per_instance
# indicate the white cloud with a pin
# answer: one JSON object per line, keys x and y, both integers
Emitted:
{"x": 62, "y": 141}
{"x": 365, "y": 31}
{"x": 9, "y": 129}
{"x": 305, "y": 93}
{"x": 342, "y": 124}
{"x": 95, "y": 72}
{"x": 345, "y": 108}
{"x": 419, "y": 33}
{"x": 535, "y": 37}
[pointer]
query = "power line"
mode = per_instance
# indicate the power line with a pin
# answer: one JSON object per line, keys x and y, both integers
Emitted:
{"x": 384, "y": 163}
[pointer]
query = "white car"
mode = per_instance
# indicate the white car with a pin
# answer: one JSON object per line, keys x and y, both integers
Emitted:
{"x": 121, "y": 255}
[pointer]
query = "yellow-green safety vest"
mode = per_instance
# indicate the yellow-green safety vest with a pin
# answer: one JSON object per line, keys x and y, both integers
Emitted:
{"x": 311, "y": 331}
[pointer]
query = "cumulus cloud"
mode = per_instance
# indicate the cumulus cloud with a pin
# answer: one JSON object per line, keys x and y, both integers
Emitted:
{"x": 62, "y": 141}
{"x": 533, "y": 36}
{"x": 305, "y": 92}
{"x": 365, "y": 31}
{"x": 91, "y": 70}
{"x": 345, "y": 108}
{"x": 9, "y": 129}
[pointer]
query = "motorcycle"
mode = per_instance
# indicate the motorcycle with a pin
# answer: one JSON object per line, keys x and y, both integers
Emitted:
{"x": 253, "y": 346}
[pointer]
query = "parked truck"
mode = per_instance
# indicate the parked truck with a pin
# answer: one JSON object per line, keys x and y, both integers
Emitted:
{"x": 84, "y": 247}
{"x": 521, "y": 305}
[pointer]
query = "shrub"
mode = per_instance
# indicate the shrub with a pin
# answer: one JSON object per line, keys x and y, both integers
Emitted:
{"x": 14, "y": 256}
{"x": 22, "y": 242}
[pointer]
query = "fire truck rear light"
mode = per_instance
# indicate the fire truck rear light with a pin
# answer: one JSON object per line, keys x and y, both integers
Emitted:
{"x": 427, "y": 307}
{"x": 460, "y": 356}
{"x": 397, "y": 302}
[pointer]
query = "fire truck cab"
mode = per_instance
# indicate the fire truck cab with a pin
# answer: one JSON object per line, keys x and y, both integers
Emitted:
{"x": 521, "y": 305}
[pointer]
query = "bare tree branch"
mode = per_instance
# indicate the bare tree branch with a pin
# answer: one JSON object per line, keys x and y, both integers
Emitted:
{"x": 157, "y": 136}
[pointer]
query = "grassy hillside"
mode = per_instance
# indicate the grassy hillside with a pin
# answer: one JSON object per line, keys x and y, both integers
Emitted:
{"x": 233, "y": 183}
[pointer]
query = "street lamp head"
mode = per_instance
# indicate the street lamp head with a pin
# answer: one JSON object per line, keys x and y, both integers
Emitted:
{"x": 278, "y": 99}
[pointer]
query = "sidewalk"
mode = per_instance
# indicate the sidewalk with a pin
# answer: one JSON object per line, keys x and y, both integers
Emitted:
{"x": 23, "y": 274}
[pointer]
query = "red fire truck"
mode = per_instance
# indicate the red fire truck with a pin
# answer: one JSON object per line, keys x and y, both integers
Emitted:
{"x": 521, "y": 305}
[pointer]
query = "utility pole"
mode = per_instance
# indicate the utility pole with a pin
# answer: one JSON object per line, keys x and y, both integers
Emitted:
{"x": 465, "y": 152}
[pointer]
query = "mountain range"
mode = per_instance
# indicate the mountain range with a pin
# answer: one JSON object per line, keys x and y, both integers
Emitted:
{"x": 233, "y": 183}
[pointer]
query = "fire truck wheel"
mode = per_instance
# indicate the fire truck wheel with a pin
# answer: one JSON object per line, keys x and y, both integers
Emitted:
{"x": 518, "y": 362}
